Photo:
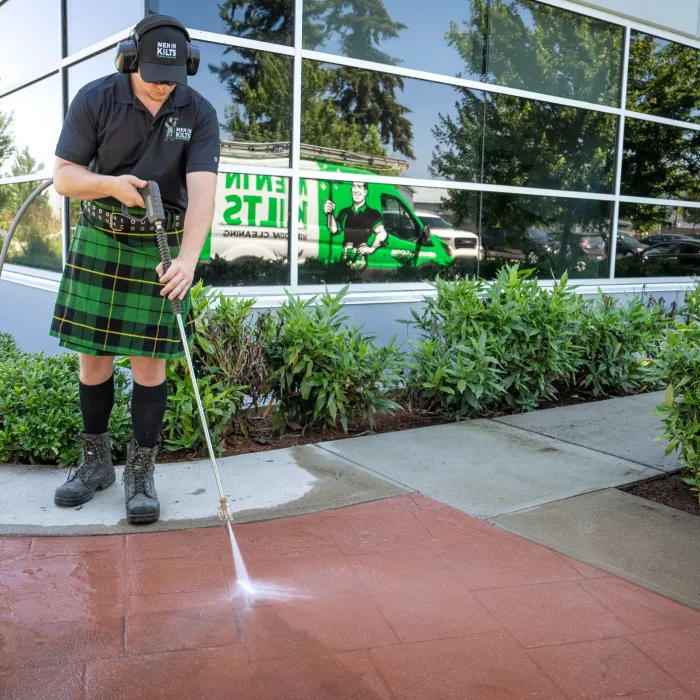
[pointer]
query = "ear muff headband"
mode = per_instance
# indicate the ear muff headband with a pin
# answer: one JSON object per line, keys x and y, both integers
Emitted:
{"x": 127, "y": 58}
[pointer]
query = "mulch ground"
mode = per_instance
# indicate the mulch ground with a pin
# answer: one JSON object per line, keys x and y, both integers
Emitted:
{"x": 668, "y": 490}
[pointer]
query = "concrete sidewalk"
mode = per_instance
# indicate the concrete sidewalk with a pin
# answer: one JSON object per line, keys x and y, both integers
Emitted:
{"x": 550, "y": 476}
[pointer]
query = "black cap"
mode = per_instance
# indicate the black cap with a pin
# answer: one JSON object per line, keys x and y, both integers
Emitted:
{"x": 163, "y": 55}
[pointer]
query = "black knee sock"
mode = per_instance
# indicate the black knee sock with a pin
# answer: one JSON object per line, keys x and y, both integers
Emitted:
{"x": 148, "y": 405}
{"x": 96, "y": 402}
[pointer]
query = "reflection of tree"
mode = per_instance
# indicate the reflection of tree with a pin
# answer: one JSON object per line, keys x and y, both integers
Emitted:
{"x": 663, "y": 78}
{"x": 525, "y": 142}
{"x": 6, "y": 141}
{"x": 660, "y": 161}
{"x": 37, "y": 239}
{"x": 342, "y": 107}
{"x": 533, "y": 46}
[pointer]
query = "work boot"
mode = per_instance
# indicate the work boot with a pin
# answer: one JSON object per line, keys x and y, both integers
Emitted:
{"x": 142, "y": 504}
{"x": 94, "y": 471}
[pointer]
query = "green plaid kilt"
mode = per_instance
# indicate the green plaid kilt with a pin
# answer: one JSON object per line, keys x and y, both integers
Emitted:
{"x": 109, "y": 301}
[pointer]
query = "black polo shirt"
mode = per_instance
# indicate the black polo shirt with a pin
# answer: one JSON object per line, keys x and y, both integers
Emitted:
{"x": 359, "y": 224}
{"x": 110, "y": 130}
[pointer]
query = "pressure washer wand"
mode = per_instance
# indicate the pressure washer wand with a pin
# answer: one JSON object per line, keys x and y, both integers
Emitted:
{"x": 155, "y": 213}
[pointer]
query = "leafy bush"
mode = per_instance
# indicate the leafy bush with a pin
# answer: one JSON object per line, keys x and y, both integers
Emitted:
{"x": 455, "y": 381}
{"x": 325, "y": 371}
{"x": 529, "y": 330}
{"x": 182, "y": 426}
{"x": 40, "y": 408}
{"x": 8, "y": 347}
{"x": 679, "y": 361}
{"x": 618, "y": 343}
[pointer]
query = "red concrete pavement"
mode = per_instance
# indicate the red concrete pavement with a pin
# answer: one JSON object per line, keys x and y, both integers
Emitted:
{"x": 403, "y": 598}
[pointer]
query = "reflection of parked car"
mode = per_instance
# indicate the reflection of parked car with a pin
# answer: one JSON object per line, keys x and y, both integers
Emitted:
{"x": 528, "y": 245}
{"x": 665, "y": 237}
{"x": 462, "y": 244}
{"x": 628, "y": 245}
{"x": 685, "y": 252}
{"x": 587, "y": 246}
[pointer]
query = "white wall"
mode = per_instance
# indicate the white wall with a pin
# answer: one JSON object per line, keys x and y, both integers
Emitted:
{"x": 676, "y": 15}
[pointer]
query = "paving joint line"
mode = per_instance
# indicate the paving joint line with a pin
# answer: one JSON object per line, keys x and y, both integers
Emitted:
{"x": 367, "y": 469}
{"x": 575, "y": 444}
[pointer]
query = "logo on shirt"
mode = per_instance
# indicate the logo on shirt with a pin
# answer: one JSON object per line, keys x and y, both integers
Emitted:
{"x": 173, "y": 132}
{"x": 166, "y": 49}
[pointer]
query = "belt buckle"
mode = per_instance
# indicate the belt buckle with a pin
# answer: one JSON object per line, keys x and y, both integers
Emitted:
{"x": 111, "y": 223}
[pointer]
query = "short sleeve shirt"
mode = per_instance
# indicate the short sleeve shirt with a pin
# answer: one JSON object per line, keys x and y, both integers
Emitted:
{"x": 110, "y": 130}
{"x": 359, "y": 224}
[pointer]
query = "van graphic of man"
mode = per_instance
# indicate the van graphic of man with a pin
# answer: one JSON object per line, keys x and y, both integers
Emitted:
{"x": 358, "y": 223}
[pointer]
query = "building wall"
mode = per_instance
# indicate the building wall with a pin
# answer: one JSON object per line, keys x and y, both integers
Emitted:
{"x": 539, "y": 157}
{"x": 675, "y": 15}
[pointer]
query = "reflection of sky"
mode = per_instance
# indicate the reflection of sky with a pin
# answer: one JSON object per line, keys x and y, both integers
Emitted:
{"x": 96, "y": 67}
{"x": 37, "y": 118}
{"x": 90, "y": 21}
{"x": 207, "y": 83}
{"x": 427, "y": 101}
{"x": 203, "y": 14}
{"x": 422, "y": 45}
{"x": 30, "y": 39}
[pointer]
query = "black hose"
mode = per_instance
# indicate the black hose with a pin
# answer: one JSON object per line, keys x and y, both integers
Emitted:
{"x": 20, "y": 213}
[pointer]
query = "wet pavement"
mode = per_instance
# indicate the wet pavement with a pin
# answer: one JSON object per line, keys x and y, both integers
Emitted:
{"x": 403, "y": 598}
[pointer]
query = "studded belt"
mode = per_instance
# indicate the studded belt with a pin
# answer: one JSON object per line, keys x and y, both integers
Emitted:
{"x": 118, "y": 222}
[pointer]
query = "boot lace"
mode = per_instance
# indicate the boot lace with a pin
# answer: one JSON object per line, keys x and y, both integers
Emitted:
{"x": 88, "y": 462}
{"x": 139, "y": 470}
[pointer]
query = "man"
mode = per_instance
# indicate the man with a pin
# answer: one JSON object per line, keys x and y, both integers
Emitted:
{"x": 359, "y": 222}
{"x": 143, "y": 123}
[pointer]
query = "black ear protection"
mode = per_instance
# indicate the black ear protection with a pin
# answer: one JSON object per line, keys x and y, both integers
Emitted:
{"x": 127, "y": 58}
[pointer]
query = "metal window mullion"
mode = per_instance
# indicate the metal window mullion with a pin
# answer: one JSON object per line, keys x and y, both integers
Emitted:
{"x": 296, "y": 150}
{"x": 240, "y": 42}
{"x": 693, "y": 126}
{"x": 63, "y": 76}
{"x": 455, "y": 185}
{"x": 620, "y": 152}
{"x": 676, "y": 203}
{"x": 457, "y": 82}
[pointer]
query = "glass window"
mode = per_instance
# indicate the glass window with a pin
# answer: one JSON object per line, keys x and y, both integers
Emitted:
{"x": 32, "y": 118}
{"x": 252, "y": 94}
{"x": 539, "y": 144}
{"x": 37, "y": 241}
{"x": 85, "y": 72}
{"x": 87, "y": 24}
{"x": 549, "y": 235}
{"x": 416, "y": 128}
{"x": 657, "y": 241}
{"x": 30, "y": 39}
{"x": 368, "y": 232}
{"x": 538, "y": 47}
{"x": 248, "y": 244}
{"x": 250, "y": 19}
{"x": 518, "y": 43}
{"x": 663, "y": 78}
{"x": 385, "y": 124}
{"x": 660, "y": 161}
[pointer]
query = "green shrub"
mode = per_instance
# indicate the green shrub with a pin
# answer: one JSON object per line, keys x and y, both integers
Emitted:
{"x": 455, "y": 381}
{"x": 233, "y": 342}
{"x": 618, "y": 343}
{"x": 182, "y": 426}
{"x": 40, "y": 408}
{"x": 679, "y": 361}
{"x": 529, "y": 330}
{"x": 690, "y": 309}
{"x": 8, "y": 347}
{"x": 325, "y": 371}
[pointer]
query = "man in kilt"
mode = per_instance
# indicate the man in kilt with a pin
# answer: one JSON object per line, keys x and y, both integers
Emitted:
{"x": 141, "y": 123}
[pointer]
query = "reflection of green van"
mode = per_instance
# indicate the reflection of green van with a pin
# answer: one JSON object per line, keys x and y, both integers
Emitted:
{"x": 373, "y": 225}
